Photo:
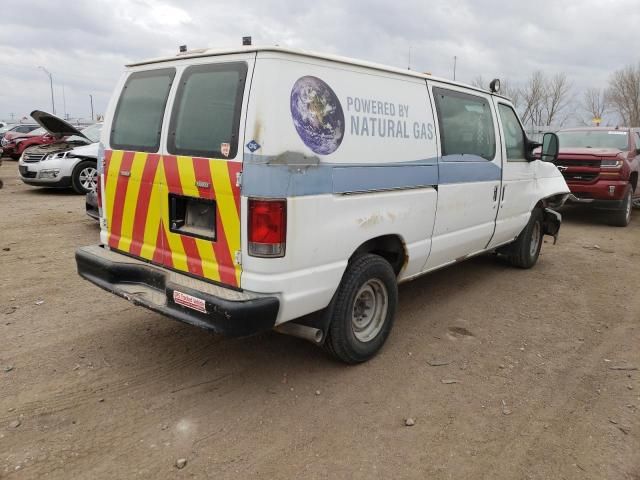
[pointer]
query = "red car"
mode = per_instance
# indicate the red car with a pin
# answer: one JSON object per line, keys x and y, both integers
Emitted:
{"x": 600, "y": 166}
{"x": 14, "y": 146}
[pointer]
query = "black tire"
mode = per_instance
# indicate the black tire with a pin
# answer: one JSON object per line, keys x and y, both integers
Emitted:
{"x": 524, "y": 252}
{"x": 367, "y": 276}
{"x": 622, "y": 217}
{"x": 14, "y": 156}
{"x": 76, "y": 181}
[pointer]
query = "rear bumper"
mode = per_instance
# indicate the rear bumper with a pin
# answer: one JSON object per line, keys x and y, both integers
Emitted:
{"x": 224, "y": 311}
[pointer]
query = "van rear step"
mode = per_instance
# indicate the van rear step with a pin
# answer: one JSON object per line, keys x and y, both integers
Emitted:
{"x": 212, "y": 307}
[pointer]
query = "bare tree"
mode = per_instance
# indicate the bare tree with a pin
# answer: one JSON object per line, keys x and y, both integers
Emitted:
{"x": 557, "y": 98}
{"x": 478, "y": 81}
{"x": 533, "y": 98}
{"x": 512, "y": 92}
{"x": 545, "y": 100}
{"x": 594, "y": 103}
{"x": 624, "y": 94}
{"x": 506, "y": 89}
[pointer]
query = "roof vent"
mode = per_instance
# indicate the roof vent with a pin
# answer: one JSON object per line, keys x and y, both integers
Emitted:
{"x": 182, "y": 48}
{"x": 246, "y": 41}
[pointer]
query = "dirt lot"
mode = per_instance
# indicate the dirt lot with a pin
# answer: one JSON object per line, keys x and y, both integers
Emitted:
{"x": 103, "y": 389}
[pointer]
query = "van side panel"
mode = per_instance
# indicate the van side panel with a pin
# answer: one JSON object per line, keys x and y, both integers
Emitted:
{"x": 354, "y": 153}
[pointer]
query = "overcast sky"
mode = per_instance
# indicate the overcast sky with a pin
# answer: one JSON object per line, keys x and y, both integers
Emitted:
{"x": 85, "y": 44}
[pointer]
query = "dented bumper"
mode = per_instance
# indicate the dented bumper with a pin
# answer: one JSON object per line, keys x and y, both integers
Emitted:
{"x": 205, "y": 305}
{"x": 551, "y": 223}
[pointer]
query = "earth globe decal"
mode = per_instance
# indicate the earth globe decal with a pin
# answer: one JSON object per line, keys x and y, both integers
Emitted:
{"x": 317, "y": 115}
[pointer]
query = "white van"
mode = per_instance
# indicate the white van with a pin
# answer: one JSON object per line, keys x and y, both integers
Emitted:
{"x": 257, "y": 188}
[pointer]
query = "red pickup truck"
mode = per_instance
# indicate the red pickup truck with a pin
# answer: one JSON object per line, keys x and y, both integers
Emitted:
{"x": 600, "y": 166}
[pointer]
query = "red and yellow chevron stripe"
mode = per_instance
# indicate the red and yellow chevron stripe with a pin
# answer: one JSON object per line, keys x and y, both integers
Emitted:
{"x": 137, "y": 188}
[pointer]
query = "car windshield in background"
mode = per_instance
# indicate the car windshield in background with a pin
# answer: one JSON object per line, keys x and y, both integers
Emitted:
{"x": 594, "y": 139}
{"x": 92, "y": 132}
{"x": 37, "y": 131}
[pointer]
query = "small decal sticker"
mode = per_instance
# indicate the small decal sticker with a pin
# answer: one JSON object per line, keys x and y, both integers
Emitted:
{"x": 189, "y": 301}
{"x": 225, "y": 149}
{"x": 253, "y": 146}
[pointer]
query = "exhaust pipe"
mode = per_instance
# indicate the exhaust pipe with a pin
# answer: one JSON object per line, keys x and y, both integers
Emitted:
{"x": 313, "y": 335}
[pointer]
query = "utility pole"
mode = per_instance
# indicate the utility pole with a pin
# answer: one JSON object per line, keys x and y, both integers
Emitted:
{"x": 409, "y": 66}
{"x": 64, "y": 104}
{"x": 455, "y": 61}
{"x": 12, "y": 115}
{"x": 53, "y": 105}
{"x": 91, "y": 100}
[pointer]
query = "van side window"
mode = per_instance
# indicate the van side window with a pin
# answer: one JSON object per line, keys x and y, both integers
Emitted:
{"x": 466, "y": 124}
{"x": 138, "y": 119}
{"x": 513, "y": 134}
{"x": 206, "y": 112}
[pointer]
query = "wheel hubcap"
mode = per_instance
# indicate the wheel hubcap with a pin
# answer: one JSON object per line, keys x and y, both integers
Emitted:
{"x": 369, "y": 310}
{"x": 535, "y": 238}
{"x": 88, "y": 178}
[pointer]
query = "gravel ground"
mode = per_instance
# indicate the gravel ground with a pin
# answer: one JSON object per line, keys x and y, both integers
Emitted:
{"x": 504, "y": 373}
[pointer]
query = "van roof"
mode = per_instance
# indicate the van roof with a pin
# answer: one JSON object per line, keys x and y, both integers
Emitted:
{"x": 207, "y": 52}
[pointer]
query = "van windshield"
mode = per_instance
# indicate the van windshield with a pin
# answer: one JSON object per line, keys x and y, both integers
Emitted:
{"x": 594, "y": 139}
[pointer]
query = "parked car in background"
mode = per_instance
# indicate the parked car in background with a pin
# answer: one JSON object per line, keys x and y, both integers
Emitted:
{"x": 17, "y": 131}
{"x": 68, "y": 163}
{"x": 14, "y": 147}
{"x": 601, "y": 167}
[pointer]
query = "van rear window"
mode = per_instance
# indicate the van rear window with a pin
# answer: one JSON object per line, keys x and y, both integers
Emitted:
{"x": 206, "y": 112}
{"x": 138, "y": 119}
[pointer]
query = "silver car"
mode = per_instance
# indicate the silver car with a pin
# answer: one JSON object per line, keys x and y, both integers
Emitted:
{"x": 69, "y": 163}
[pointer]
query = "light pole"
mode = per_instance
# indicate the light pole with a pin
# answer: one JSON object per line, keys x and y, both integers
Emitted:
{"x": 91, "y": 100}
{"x": 53, "y": 105}
{"x": 455, "y": 61}
{"x": 64, "y": 104}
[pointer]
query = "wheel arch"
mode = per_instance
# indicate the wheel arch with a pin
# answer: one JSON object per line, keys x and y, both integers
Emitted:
{"x": 391, "y": 247}
{"x": 633, "y": 180}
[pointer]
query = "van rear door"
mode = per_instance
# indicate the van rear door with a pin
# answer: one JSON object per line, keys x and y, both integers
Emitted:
{"x": 177, "y": 204}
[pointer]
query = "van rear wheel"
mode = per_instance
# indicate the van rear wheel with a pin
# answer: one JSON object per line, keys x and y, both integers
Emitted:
{"x": 525, "y": 250}
{"x": 363, "y": 310}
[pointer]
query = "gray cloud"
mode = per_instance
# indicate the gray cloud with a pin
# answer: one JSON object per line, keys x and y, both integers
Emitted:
{"x": 86, "y": 44}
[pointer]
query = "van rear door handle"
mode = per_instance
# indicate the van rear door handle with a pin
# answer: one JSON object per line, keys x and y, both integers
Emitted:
{"x": 504, "y": 188}
{"x": 495, "y": 193}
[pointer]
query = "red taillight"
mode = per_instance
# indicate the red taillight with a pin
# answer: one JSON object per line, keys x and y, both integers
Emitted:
{"x": 99, "y": 191}
{"x": 267, "y": 227}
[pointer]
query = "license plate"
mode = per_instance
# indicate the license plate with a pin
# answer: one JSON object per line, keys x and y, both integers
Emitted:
{"x": 189, "y": 301}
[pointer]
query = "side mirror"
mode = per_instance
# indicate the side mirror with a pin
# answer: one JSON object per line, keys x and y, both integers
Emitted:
{"x": 550, "y": 147}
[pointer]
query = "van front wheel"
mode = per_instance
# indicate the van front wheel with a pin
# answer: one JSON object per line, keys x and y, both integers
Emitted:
{"x": 525, "y": 250}
{"x": 363, "y": 310}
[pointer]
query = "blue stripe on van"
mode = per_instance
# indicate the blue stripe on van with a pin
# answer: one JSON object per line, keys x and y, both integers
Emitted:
{"x": 263, "y": 179}
{"x": 467, "y": 170}
{"x": 367, "y": 178}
